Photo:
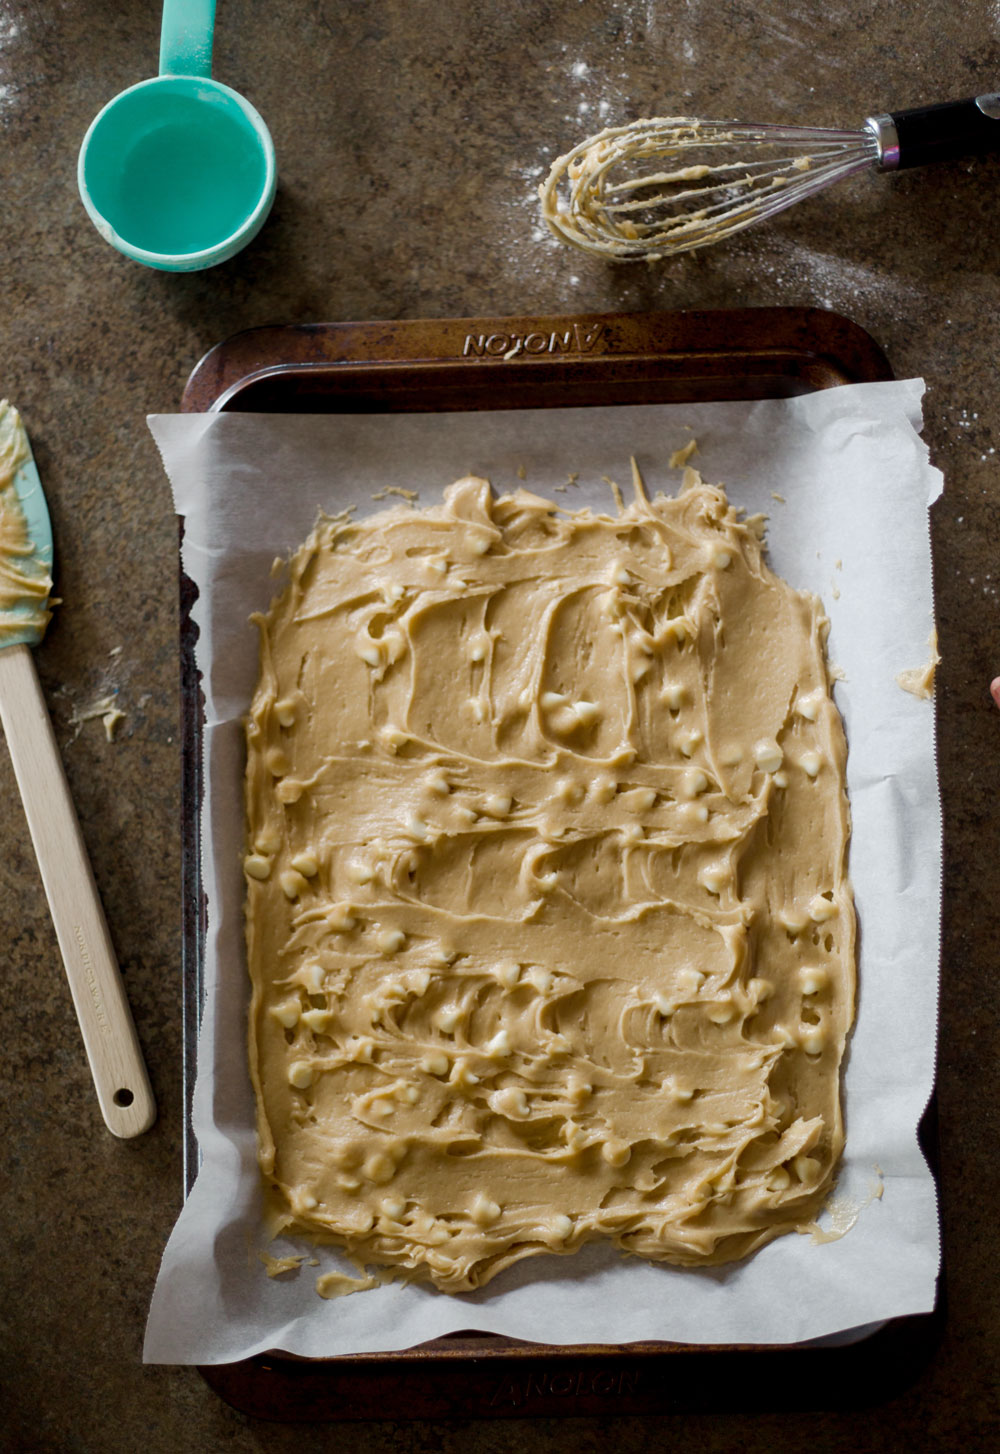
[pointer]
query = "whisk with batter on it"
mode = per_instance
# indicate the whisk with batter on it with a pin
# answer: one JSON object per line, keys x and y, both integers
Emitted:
{"x": 670, "y": 184}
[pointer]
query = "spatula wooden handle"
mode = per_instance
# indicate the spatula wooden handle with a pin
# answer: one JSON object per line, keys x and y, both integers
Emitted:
{"x": 98, "y": 994}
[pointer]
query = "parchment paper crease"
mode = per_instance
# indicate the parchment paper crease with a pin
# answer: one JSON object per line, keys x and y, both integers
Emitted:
{"x": 852, "y": 526}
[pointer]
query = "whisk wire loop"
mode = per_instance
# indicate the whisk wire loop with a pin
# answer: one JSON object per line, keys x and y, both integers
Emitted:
{"x": 704, "y": 184}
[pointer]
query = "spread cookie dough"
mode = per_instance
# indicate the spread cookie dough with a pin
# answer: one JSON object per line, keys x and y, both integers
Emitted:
{"x": 919, "y": 680}
{"x": 25, "y": 582}
{"x": 548, "y": 923}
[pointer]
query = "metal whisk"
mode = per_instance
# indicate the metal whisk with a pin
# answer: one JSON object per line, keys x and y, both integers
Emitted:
{"x": 667, "y": 185}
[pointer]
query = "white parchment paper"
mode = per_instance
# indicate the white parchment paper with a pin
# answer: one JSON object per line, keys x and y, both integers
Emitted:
{"x": 851, "y": 526}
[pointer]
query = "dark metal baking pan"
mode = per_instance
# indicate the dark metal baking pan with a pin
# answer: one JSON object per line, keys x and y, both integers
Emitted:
{"x": 528, "y": 362}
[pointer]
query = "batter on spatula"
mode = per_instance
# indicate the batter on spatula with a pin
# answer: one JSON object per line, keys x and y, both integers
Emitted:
{"x": 548, "y": 921}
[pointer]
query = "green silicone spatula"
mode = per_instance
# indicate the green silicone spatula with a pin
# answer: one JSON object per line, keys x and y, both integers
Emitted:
{"x": 109, "y": 1036}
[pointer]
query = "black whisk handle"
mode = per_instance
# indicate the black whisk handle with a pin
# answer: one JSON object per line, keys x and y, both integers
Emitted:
{"x": 938, "y": 133}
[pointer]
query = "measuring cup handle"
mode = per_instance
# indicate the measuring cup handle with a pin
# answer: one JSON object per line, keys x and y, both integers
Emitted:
{"x": 186, "y": 37}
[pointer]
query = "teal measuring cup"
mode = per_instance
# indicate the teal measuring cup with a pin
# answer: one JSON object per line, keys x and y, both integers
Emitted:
{"x": 179, "y": 172}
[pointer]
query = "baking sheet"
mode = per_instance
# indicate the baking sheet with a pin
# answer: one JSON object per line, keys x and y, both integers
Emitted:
{"x": 852, "y": 526}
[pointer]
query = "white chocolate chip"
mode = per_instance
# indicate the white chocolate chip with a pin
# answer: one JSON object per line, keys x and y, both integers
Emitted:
{"x": 540, "y": 978}
{"x": 287, "y": 1013}
{"x": 586, "y": 712}
{"x": 340, "y": 919}
{"x": 561, "y": 1226}
{"x": 311, "y": 977}
{"x": 808, "y": 707}
{"x": 780, "y": 779}
{"x": 277, "y": 762}
{"x": 462, "y": 1073}
{"x": 292, "y": 883}
{"x": 306, "y": 864}
{"x": 813, "y": 1039}
{"x": 437, "y": 782}
{"x": 392, "y": 1207}
{"x": 286, "y": 711}
{"x": 497, "y": 805}
{"x": 664, "y": 1005}
{"x": 779, "y": 1179}
{"x": 721, "y": 1012}
{"x": 256, "y": 866}
{"x": 379, "y": 1168}
{"x": 358, "y": 872}
{"x": 807, "y": 1168}
{"x": 446, "y": 1019}
{"x": 392, "y": 739}
{"x": 693, "y": 813}
{"x": 436, "y": 1063}
{"x": 678, "y": 628}
{"x": 498, "y": 1045}
{"x": 390, "y": 940}
{"x": 268, "y": 842}
{"x": 616, "y": 1153}
{"x": 319, "y": 1021}
{"x": 416, "y": 828}
{"x": 688, "y": 741}
{"x": 676, "y": 1092}
{"x": 768, "y": 755}
{"x": 301, "y": 1074}
{"x": 512, "y": 1103}
{"x": 813, "y": 979}
{"x": 604, "y": 788}
{"x": 675, "y": 695}
{"x": 792, "y": 920}
{"x": 484, "y": 1212}
{"x": 689, "y": 981}
{"x": 810, "y": 763}
{"x": 638, "y": 800}
{"x": 722, "y": 559}
{"x": 714, "y": 877}
{"x": 691, "y": 782}
{"x": 574, "y": 1136}
{"x": 569, "y": 792}
{"x": 360, "y": 1048}
{"x": 822, "y": 908}
{"x": 370, "y": 653}
{"x": 289, "y": 790}
{"x": 508, "y": 973}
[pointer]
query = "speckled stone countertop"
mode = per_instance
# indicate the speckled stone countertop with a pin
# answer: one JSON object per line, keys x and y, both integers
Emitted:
{"x": 410, "y": 138}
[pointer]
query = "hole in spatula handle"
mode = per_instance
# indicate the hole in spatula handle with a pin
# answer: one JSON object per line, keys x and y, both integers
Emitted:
{"x": 123, "y": 1097}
